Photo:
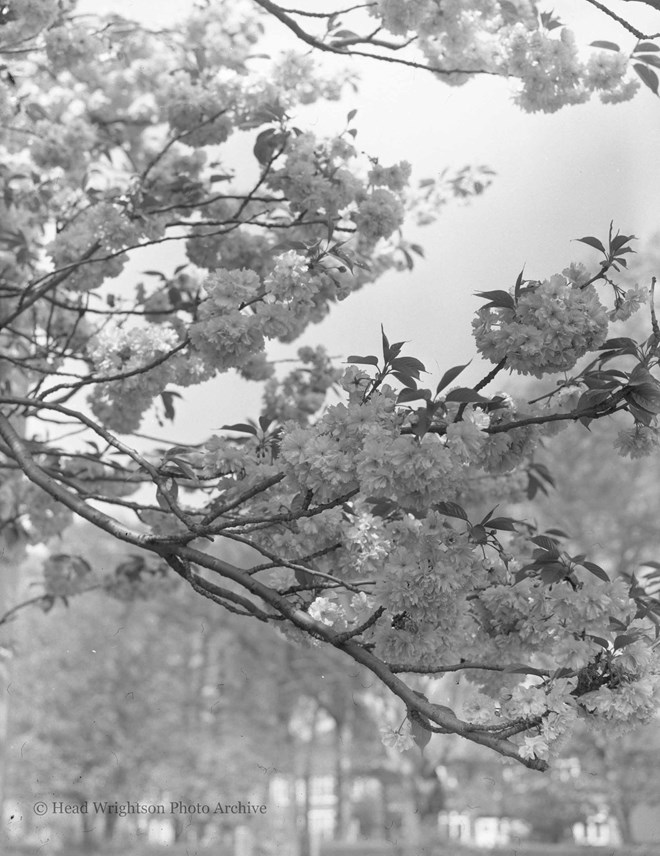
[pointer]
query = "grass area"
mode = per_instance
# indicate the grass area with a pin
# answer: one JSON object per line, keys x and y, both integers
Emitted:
{"x": 447, "y": 849}
{"x": 363, "y": 849}
{"x": 122, "y": 850}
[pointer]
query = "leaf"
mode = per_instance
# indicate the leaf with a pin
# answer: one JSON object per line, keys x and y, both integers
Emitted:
{"x": 185, "y": 468}
{"x": 451, "y": 509}
{"x": 503, "y": 523}
{"x": 363, "y": 361}
{"x": 351, "y": 115}
{"x": 413, "y": 395}
{"x": 619, "y": 241}
{"x": 591, "y": 241}
{"x": 621, "y": 342}
{"x": 405, "y": 379}
{"x": 449, "y": 376}
{"x": 599, "y": 641}
{"x": 625, "y": 639}
{"x": 640, "y": 414}
{"x": 419, "y": 734}
{"x": 648, "y": 77}
{"x": 267, "y": 143}
{"x": 608, "y": 46}
{"x": 423, "y": 423}
{"x": 542, "y": 471}
{"x": 498, "y": 299}
{"x": 478, "y": 534}
{"x": 386, "y": 344}
{"x": 596, "y": 570}
{"x": 646, "y": 396}
{"x": 646, "y": 46}
{"x": 408, "y": 364}
{"x": 167, "y": 493}
{"x": 545, "y": 543}
{"x": 558, "y": 533}
{"x": 464, "y": 394}
{"x": 242, "y": 427}
{"x": 649, "y": 60}
{"x": 615, "y": 624}
{"x": 563, "y": 672}
{"x": 167, "y": 398}
{"x": 304, "y": 578}
{"x": 552, "y": 574}
{"x": 395, "y": 350}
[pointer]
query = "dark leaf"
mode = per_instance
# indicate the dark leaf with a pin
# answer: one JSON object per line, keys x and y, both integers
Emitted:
{"x": 592, "y": 242}
{"x": 622, "y": 342}
{"x": 242, "y": 427}
{"x": 647, "y": 396}
{"x": 596, "y": 570}
{"x": 542, "y": 471}
{"x": 405, "y": 379}
{"x": 413, "y": 395}
{"x": 562, "y": 673}
{"x": 449, "y": 376}
{"x": 498, "y": 299}
{"x": 423, "y": 423}
{"x": 648, "y": 77}
{"x": 366, "y": 361}
{"x": 386, "y": 344}
{"x": 506, "y": 524}
{"x": 451, "y": 509}
{"x": 552, "y": 574}
{"x": 557, "y": 533}
{"x": 608, "y": 46}
{"x": 304, "y": 578}
{"x": 167, "y": 398}
{"x": 419, "y": 734}
{"x": 408, "y": 364}
{"x": 624, "y": 639}
{"x": 649, "y": 60}
{"x": 464, "y": 394}
{"x": 545, "y": 543}
{"x": 479, "y": 534}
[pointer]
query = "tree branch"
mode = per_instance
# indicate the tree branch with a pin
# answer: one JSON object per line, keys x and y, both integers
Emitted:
{"x": 303, "y": 35}
{"x": 625, "y": 24}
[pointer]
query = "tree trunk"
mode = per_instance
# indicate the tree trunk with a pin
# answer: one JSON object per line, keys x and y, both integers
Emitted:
{"x": 343, "y": 737}
{"x": 109, "y": 826}
{"x": 305, "y": 839}
{"x": 12, "y": 548}
{"x": 10, "y": 557}
{"x": 87, "y": 840}
{"x": 622, "y": 815}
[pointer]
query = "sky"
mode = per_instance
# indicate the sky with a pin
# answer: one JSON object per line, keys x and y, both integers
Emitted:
{"x": 558, "y": 177}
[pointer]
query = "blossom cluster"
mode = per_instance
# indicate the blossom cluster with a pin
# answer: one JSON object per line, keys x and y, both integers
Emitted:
{"x": 509, "y": 40}
{"x": 552, "y": 325}
{"x": 129, "y": 358}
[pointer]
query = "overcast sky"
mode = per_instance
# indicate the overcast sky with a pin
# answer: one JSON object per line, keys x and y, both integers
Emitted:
{"x": 559, "y": 177}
